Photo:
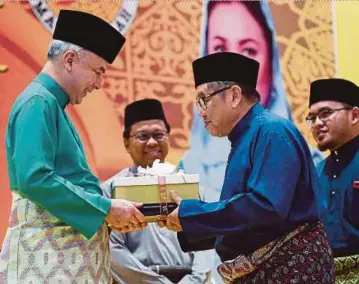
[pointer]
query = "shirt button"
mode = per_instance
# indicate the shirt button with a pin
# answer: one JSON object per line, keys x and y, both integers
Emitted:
{"x": 335, "y": 153}
{"x": 333, "y": 192}
{"x": 334, "y": 176}
{"x": 337, "y": 160}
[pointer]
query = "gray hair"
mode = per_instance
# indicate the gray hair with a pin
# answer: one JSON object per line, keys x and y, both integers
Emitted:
{"x": 220, "y": 84}
{"x": 59, "y": 47}
{"x": 249, "y": 92}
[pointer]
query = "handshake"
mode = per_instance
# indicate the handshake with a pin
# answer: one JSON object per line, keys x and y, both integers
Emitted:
{"x": 124, "y": 216}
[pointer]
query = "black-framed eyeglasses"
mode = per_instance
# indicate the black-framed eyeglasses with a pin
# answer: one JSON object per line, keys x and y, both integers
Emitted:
{"x": 324, "y": 114}
{"x": 202, "y": 101}
{"x": 143, "y": 137}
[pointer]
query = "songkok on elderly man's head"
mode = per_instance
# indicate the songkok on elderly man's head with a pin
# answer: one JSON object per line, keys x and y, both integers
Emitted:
{"x": 89, "y": 32}
{"x": 225, "y": 66}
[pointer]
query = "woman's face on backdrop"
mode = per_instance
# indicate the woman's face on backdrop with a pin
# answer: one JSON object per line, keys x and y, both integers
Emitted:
{"x": 232, "y": 28}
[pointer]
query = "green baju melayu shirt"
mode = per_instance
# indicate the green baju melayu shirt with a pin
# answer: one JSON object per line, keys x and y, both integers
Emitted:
{"x": 46, "y": 160}
{"x": 56, "y": 230}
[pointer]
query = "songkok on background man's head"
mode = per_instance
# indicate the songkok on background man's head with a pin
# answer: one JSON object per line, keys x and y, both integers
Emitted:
{"x": 339, "y": 90}
{"x": 145, "y": 109}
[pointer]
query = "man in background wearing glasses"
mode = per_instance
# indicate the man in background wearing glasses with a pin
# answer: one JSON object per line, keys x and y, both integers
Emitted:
{"x": 266, "y": 224}
{"x": 334, "y": 121}
{"x": 154, "y": 255}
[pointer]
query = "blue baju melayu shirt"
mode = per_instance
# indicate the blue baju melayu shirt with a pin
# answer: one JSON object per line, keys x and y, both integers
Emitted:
{"x": 270, "y": 187}
{"x": 338, "y": 174}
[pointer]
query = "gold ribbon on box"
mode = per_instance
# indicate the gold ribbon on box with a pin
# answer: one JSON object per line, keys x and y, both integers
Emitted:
{"x": 162, "y": 191}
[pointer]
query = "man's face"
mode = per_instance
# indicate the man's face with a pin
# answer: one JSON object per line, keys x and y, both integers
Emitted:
{"x": 148, "y": 141}
{"x": 333, "y": 129}
{"x": 87, "y": 74}
{"x": 216, "y": 113}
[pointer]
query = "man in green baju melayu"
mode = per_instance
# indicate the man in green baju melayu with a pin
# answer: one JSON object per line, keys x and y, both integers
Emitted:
{"x": 58, "y": 223}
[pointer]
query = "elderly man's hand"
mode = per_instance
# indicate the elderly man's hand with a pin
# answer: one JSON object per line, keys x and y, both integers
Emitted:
{"x": 124, "y": 216}
{"x": 172, "y": 221}
{"x": 130, "y": 228}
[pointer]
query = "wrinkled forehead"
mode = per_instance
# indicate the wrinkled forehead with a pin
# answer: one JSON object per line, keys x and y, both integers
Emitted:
{"x": 95, "y": 60}
{"x": 149, "y": 125}
{"x": 203, "y": 90}
{"x": 325, "y": 104}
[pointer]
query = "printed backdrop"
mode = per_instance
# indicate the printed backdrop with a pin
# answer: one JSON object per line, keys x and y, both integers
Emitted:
{"x": 163, "y": 38}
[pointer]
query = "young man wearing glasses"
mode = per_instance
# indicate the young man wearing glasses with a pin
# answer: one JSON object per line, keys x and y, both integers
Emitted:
{"x": 266, "y": 225}
{"x": 334, "y": 121}
{"x": 154, "y": 255}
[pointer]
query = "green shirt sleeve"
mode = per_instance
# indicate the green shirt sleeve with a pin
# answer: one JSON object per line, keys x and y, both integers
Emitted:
{"x": 35, "y": 136}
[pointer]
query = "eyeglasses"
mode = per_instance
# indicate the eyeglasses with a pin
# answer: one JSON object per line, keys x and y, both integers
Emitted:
{"x": 143, "y": 137}
{"x": 323, "y": 115}
{"x": 202, "y": 101}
